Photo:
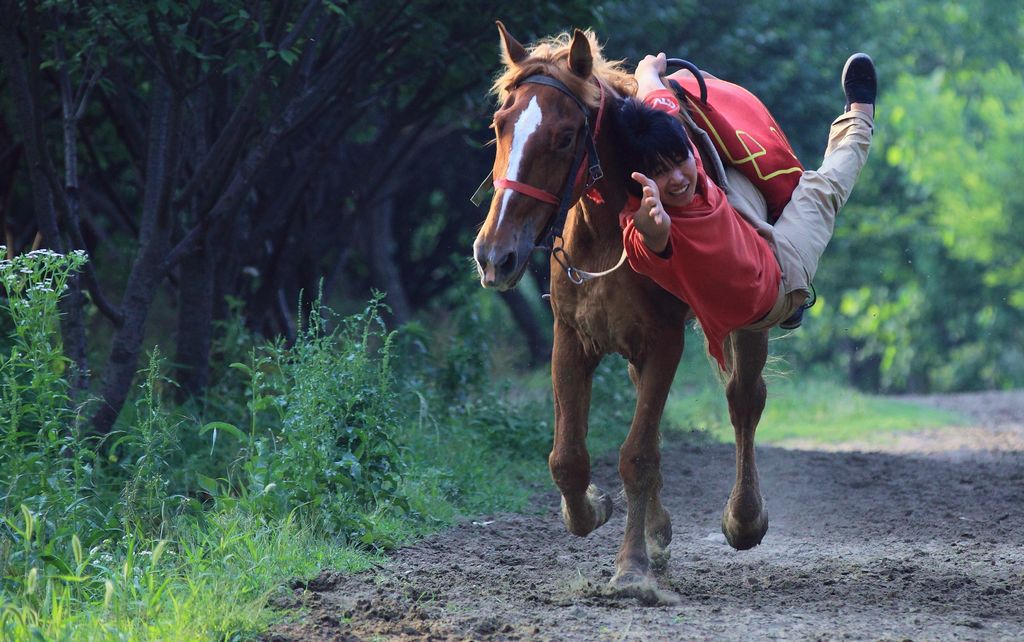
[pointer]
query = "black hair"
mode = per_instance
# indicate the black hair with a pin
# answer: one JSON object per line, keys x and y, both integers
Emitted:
{"x": 648, "y": 140}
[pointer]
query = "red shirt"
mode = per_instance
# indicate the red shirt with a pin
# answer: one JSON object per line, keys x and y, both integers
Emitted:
{"x": 714, "y": 261}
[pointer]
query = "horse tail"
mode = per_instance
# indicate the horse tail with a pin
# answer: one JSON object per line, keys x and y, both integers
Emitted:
{"x": 776, "y": 367}
{"x": 722, "y": 376}
{"x": 728, "y": 358}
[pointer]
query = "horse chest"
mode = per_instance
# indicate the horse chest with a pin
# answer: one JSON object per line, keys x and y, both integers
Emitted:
{"x": 625, "y": 314}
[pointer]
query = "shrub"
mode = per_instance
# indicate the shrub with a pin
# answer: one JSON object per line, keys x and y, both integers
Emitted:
{"x": 330, "y": 448}
{"x": 45, "y": 465}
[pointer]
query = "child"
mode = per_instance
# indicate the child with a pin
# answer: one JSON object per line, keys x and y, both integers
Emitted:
{"x": 680, "y": 230}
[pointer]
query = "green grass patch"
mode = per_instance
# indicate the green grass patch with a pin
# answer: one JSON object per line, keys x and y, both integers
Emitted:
{"x": 801, "y": 406}
{"x": 211, "y": 579}
{"x": 189, "y": 519}
{"x": 825, "y": 411}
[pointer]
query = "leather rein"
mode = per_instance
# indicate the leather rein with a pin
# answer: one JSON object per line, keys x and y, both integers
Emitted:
{"x": 553, "y": 230}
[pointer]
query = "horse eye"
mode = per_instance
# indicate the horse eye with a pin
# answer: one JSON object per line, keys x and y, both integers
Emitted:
{"x": 564, "y": 141}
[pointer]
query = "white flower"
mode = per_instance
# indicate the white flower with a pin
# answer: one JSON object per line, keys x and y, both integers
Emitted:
{"x": 44, "y": 252}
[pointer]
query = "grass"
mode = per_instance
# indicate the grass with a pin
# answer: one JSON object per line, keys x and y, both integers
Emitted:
{"x": 349, "y": 443}
{"x": 211, "y": 580}
{"x": 808, "y": 407}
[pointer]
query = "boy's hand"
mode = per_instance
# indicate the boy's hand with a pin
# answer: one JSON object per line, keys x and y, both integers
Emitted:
{"x": 651, "y": 219}
{"x": 652, "y": 64}
{"x": 648, "y": 74}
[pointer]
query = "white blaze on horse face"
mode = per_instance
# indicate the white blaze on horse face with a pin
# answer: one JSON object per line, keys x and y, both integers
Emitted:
{"x": 528, "y": 122}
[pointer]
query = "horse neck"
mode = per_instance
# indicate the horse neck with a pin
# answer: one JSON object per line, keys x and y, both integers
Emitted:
{"x": 597, "y": 224}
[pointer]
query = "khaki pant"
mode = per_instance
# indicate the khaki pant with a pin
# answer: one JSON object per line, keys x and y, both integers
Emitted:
{"x": 806, "y": 224}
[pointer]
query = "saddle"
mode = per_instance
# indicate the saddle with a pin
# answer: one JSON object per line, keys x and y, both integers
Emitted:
{"x": 732, "y": 128}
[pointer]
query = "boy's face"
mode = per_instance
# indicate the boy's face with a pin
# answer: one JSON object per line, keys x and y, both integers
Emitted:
{"x": 678, "y": 184}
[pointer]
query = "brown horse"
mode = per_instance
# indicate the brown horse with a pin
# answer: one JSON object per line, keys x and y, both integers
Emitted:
{"x": 543, "y": 130}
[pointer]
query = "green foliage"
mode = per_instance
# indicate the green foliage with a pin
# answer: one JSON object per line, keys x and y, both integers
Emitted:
{"x": 921, "y": 36}
{"x": 210, "y": 580}
{"x": 334, "y": 450}
{"x": 111, "y": 548}
{"x": 149, "y": 443}
{"x": 922, "y": 286}
{"x": 957, "y": 136}
{"x": 814, "y": 407}
{"x": 44, "y": 462}
{"x": 462, "y": 411}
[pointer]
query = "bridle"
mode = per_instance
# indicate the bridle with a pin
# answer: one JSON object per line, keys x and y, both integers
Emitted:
{"x": 552, "y": 232}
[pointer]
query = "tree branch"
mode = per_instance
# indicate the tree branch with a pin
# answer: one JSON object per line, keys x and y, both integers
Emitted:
{"x": 166, "y": 57}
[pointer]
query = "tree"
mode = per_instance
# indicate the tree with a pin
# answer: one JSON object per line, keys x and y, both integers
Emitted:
{"x": 238, "y": 148}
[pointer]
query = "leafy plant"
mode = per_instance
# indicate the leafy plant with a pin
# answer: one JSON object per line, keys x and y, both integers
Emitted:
{"x": 149, "y": 441}
{"x": 334, "y": 452}
{"x": 43, "y": 461}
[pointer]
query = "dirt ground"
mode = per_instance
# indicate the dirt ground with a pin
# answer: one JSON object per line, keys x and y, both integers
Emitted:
{"x": 919, "y": 536}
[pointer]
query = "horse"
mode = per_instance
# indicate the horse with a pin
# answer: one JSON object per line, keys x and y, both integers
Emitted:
{"x": 554, "y": 115}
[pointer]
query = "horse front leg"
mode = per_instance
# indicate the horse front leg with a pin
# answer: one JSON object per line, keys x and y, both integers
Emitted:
{"x": 648, "y": 526}
{"x": 745, "y": 520}
{"x": 585, "y": 507}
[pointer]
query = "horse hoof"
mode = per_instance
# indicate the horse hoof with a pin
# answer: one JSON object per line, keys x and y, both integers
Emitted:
{"x": 744, "y": 535}
{"x": 601, "y": 507}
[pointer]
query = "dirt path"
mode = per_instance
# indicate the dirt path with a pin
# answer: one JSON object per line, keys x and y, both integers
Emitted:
{"x": 925, "y": 541}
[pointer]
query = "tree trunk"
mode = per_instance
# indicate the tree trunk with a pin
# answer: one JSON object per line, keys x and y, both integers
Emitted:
{"x": 26, "y": 110}
{"x": 195, "y": 322}
{"x": 154, "y": 243}
{"x": 385, "y": 274}
{"x": 538, "y": 346}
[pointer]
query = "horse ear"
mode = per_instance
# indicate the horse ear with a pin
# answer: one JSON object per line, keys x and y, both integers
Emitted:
{"x": 513, "y": 52}
{"x": 581, "y": 59}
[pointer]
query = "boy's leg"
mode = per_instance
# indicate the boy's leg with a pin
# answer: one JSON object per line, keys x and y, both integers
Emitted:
{"x": 807, "y": 222}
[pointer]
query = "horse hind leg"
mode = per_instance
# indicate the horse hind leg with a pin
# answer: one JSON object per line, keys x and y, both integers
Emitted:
{"x": 745, "y": 519}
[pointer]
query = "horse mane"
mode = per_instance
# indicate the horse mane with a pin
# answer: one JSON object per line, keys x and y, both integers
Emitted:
{"x": 550, "y": 57}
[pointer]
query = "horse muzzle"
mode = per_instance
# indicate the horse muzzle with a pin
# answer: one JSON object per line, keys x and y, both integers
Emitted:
{"x": 501, "y": 267}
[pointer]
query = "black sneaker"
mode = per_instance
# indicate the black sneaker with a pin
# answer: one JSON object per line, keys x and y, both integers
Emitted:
{"x": 860, "y": 83}
{"x": 794, "y": 320}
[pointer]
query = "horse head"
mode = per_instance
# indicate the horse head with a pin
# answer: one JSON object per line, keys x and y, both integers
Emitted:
{"x": 539, "y": 130}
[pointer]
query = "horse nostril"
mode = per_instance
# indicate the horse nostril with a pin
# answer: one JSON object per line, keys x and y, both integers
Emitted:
{"x": 508, "y": 263}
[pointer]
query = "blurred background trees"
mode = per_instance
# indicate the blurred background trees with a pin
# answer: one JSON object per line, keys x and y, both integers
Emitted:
{"x": 216, "y": 157}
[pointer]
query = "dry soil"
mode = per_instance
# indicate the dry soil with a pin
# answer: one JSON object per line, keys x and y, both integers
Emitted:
{"x": 915, "y": 536}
